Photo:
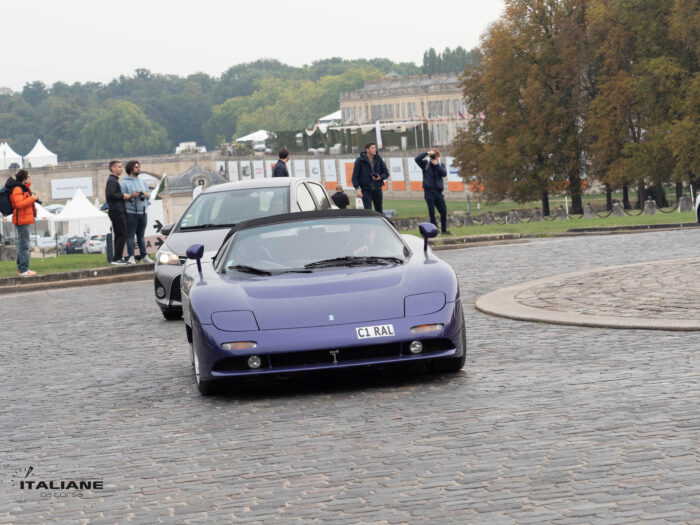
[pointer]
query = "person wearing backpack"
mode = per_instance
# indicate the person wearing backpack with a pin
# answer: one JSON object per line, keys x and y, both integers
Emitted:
{"x": 23, "y": 213}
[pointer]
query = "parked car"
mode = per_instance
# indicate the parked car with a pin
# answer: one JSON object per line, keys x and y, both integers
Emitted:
{"x": 97, "y": 243}
{"x": 76, "y": 244}
{"x": 211, "y": 215}
{"x": 316, "y": 290}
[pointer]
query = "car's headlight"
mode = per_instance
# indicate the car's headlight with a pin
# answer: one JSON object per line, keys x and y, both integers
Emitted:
{"x": 167, "y": 257}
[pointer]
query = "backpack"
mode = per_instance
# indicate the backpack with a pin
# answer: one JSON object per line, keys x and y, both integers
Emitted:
{"x": 5, "y": 202}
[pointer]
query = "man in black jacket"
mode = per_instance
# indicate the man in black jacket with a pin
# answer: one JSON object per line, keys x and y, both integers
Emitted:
{"x": 433, "y": 173}
{"x": 117, "y": 210}
{"x": 339, "y": 198}
{"x": 368, "y": 177}
{"x": 280, "y": 169}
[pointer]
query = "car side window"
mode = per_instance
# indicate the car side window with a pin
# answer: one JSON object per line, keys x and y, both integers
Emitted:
{"x": 320, "y": 196}
{"x": 304, "y": 200}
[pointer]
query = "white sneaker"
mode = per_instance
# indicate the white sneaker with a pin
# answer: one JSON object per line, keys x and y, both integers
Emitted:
{"x": 147, "y": 260}
{"x": 131, "y": 260}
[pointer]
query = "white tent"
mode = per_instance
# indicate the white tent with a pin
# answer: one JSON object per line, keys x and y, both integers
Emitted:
{"x": 257, "y": 136}
{"x": 82, "y": 217}
{"x": 8, "y": 156}
{"x": 40, "y": 157}
{"x": 331, "y": 118}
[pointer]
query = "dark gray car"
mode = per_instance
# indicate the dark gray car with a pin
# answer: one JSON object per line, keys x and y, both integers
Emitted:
{"x": 213, "y": 212}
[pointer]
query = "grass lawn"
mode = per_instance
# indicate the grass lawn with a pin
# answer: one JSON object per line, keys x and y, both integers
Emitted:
{"x": 62, "y": 263}
{"x": 418, "y": 208}
{"x": 545, "y": 228}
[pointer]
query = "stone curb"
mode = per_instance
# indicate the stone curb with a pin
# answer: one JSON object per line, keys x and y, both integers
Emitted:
{"x": 503, "y": 303}
{"x": 94, "y": 276}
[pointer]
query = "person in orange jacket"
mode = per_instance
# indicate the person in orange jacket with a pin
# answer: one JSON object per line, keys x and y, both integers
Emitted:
{"x": 23, "y": 214}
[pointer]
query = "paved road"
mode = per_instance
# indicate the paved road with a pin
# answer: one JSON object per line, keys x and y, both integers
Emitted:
{"x": 658, "y": 295}
{"x": 548, "y": 423}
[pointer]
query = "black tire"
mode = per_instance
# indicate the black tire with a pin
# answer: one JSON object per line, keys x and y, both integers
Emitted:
{"x": 448, "y": 365}
{"x": 172, "y": 314}
{"x": 206, "y": 388}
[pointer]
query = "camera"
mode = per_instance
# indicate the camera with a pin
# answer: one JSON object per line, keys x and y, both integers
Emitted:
{"x": 432, "y": 156}
{"x": 142, "y": 197}
{"x": 375, "y": 176}
{"x": 38, "y": 201}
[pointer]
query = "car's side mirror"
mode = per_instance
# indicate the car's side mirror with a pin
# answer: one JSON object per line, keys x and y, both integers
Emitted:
{"x": 428, "y": 231}
{"x": 196, "y": 251}
{"x": 165, "y": 230}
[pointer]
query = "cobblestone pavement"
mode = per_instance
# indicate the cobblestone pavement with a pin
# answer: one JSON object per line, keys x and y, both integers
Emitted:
{"x": 661, "y": 295}
{"x": 547, "y": 424}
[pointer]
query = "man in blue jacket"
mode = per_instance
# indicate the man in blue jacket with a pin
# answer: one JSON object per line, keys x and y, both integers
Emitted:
{"x": 433, "y": 173}
{"x": 368, "y": 177}
{"x": 280, "y": 169}
{"x": 136, "y": 214}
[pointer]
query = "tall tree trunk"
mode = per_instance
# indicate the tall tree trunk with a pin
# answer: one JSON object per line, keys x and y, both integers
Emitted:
{"x": 575, "y": 190}
{"x": 641, "y": 196}
{"x": 661, "y": 201}
{"x": 608, "y": 197}
{"x": 545, "y": 203}
{"x": 626, "y": 197}
{"x": 679, "y": 191}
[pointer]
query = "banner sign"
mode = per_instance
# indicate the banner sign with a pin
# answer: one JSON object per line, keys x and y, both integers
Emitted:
{"x": 65, "y": 188}
{"x": 330, "y": 173}
{"x": 397, "y": 176}
{"x": 299, "y": 168}
{"x": 315, "y": 169}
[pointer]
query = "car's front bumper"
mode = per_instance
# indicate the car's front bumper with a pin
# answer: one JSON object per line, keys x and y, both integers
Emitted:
{"x": 168, "y": 277}
{"x": 299, "y": 349}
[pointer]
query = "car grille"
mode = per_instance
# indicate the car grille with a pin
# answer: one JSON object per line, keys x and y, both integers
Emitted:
{"x": 324, "y": 357}
{"x": 175, "y": 292}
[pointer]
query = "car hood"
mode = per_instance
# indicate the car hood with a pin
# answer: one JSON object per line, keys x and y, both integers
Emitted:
{"x": 334, "y": 297}
{"x": 178, "y": 242}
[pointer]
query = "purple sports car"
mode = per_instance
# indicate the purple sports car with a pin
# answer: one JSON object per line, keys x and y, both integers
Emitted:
{"x": 315, "y": 290}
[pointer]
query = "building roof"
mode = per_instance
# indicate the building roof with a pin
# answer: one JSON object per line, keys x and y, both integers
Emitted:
{"x": 192, "y": 177}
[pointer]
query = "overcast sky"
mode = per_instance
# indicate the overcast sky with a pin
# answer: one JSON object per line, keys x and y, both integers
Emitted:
{"x": 93, "y": 40}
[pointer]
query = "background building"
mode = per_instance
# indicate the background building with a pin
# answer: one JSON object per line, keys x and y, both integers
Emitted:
{"x": 402, "y": 104}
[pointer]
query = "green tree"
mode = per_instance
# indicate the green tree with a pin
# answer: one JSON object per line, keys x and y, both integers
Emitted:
{"x": 122, "y": 129}
{"x": 530, "y": 93}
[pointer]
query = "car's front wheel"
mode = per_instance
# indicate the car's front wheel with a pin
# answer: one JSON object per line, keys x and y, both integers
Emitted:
{"x": 450, "y": 364}
{"x": 206, "y": 388}
{"x": 172, "y": 314}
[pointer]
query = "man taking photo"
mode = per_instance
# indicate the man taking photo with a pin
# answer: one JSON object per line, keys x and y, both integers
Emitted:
{"x": 433, "y": 173}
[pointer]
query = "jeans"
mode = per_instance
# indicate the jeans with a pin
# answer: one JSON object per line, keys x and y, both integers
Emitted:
{"x": 435, "y": 199}
{"x": 370, "y": 197}
{"x": 136, "y": 225}
{"x": 23, "y": 247}
{"x": 118, "y": 219}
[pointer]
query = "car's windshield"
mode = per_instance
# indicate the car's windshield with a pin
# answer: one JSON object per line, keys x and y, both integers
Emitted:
{"x": 314, "y": 245}
{"x": 227, "y": 208}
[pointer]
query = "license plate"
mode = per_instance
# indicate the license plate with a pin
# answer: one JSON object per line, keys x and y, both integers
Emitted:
{"x": 381, "y": 330}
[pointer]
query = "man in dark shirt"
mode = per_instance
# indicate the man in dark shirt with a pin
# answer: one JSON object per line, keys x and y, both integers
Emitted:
{"x": 433, "y": 173}
{"x": 117, "y": 210}
{"x": 368, "y": 176}
{"x": 280, "y": 169}
{"x": 340, "y": 198}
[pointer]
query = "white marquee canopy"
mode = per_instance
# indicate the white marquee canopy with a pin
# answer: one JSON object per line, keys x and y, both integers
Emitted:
{"x": 40, "y": 156}
{"x": 8, "y": 156}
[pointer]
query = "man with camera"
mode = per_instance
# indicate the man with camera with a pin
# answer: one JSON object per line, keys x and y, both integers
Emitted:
{"x": 368, "y": 177}
{"x": 433, "y": 173}
{"x": 136, "y": 217}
